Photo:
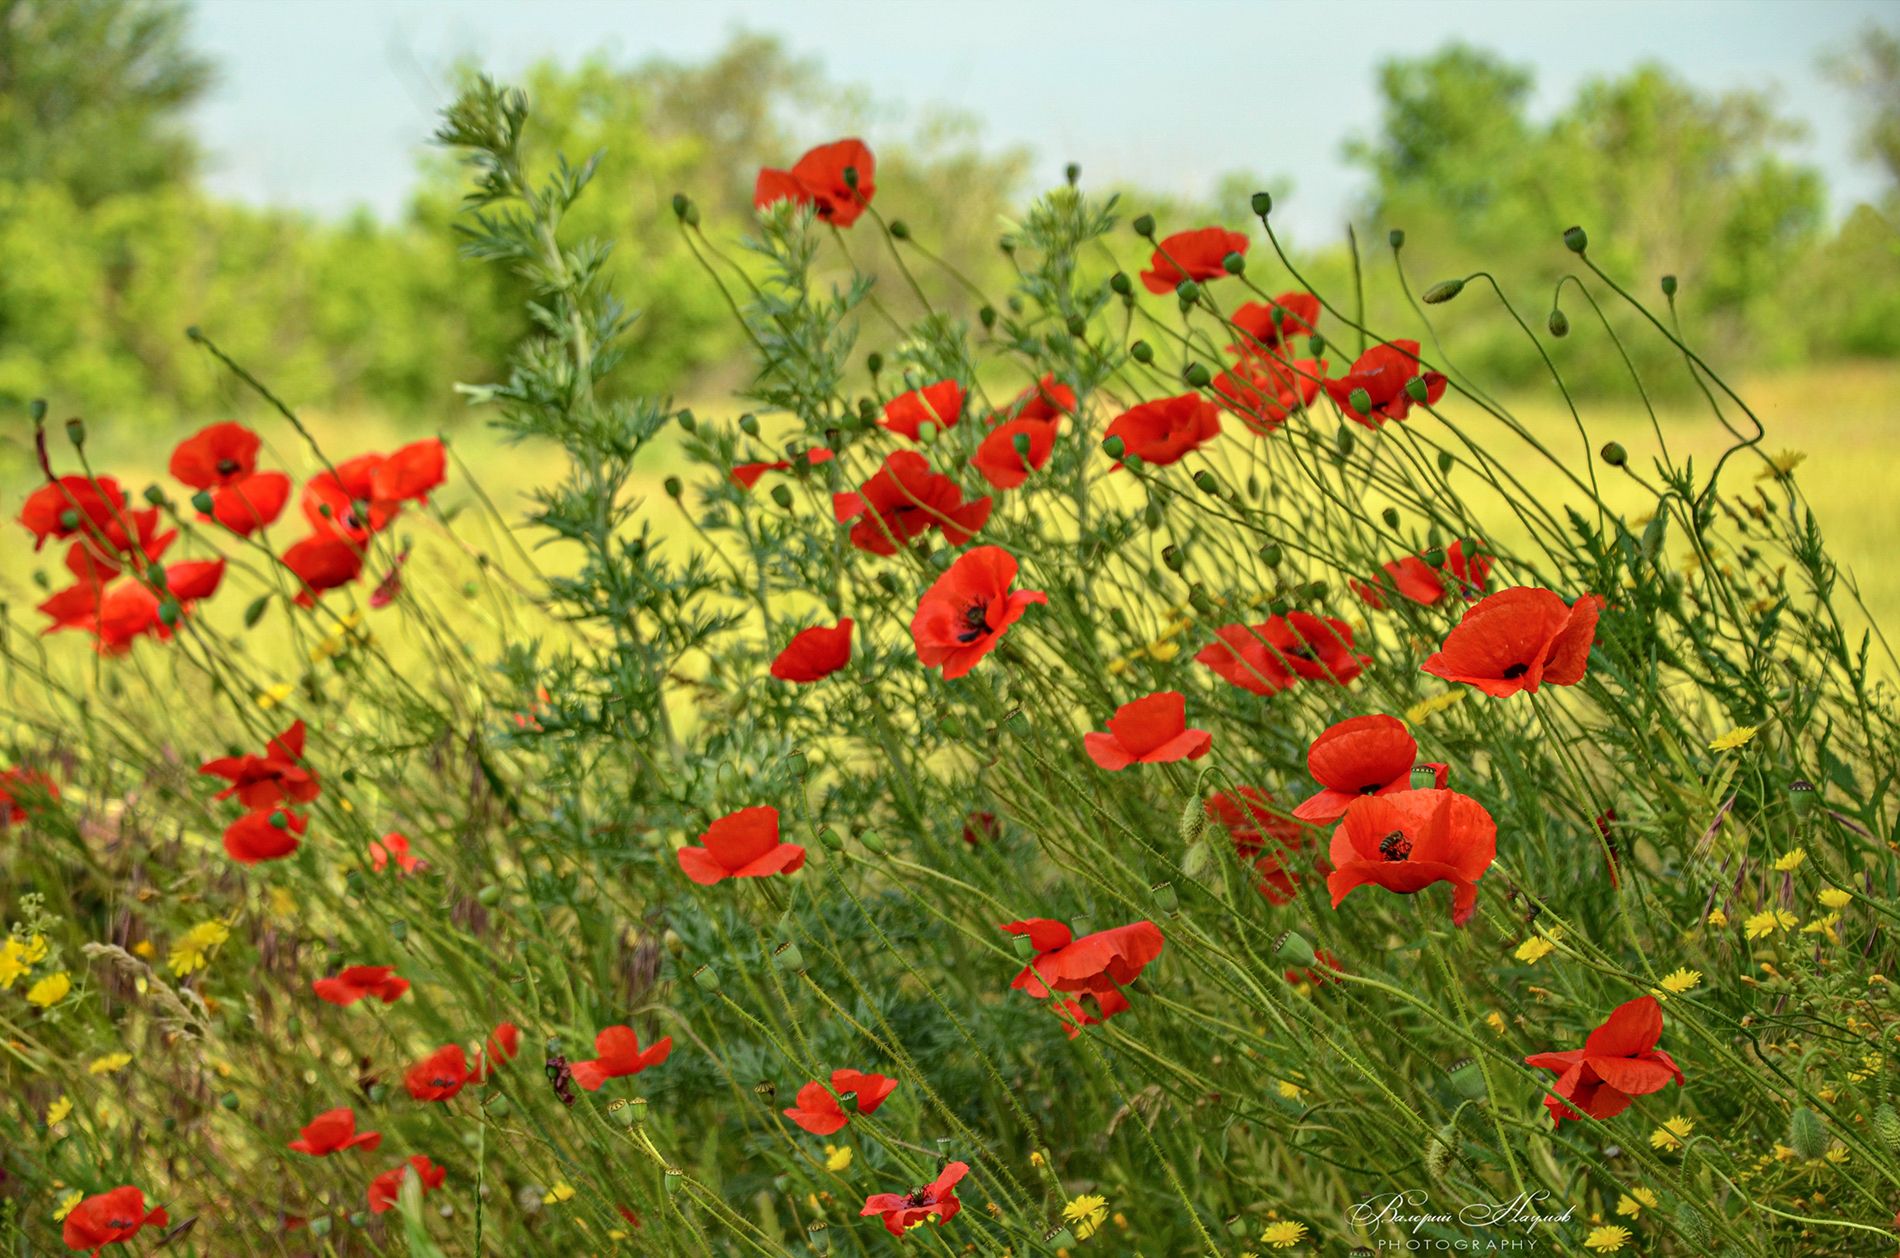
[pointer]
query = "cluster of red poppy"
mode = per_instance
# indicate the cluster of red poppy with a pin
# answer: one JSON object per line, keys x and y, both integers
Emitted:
{"x": 267, "y": 785}
{"x": 820, "y": 1110}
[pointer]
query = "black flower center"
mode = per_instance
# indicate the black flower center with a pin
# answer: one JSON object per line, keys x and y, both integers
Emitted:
{"x": 1516, "y": 671}
{"x": 1395, "y": 846}
{"x": 1371, "y": 788}
{"x": 976, "y": 623}
{"x": 919, "y": 1198}
{"x": 228, "y": 466}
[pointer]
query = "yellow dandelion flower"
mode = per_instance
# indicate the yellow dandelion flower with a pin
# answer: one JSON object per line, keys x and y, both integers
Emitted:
{"x": 50, "y": 990}
{"x": 1784, "y": 1153}
{"x": 1291, "y": 1090}
{"x": 1767, "y": 922}
{"x": 1036, "y": 1158}
{"x": 1734, "y": 738}
{"x": 1717, "y": 918}
{"x": 1425, "y": 709}
{"x": 270, "y": 698}
{"x": 1534, "y": 949}
{"x": 1495, "y": 1021}
{"x": 145, "y": 948}
{"x": 1781, "y": 466}
{"x": 57, "y": 1112}
{"x": 1086, "y": 1214}
{"x": 1677, "y": 982}
{"x": 1632, "y": 1203}
{"x": 1672, "y": 1133}
{"x": 1164, "y": 651}
{"x": 1607, "y": 1239}
{"x": 13, "y": 963}
{"x": 1835, "y": 898}
{"x": 1791, "y": 860}
{"x": 111, "y": 1063}
{"x": 1823, "y": 925}
{"x": 837, "y": 1157}
{"x": 1283, "y": 1235}
{"x": 193, "y": 950}
{"x": 1836, "y": 1153}
{"x": 66, "y": 1205}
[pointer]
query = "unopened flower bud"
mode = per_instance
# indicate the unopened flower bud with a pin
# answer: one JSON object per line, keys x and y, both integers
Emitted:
{"x": 1315, "y": 345}
{"x": 1206, "y": 482}
{"x": 1020, "y": 444}
{"x": 686, "y": 420}
{"x": 1575, "y": 240}
{"x": 987, "y": 316}
{"x": 203, "y": 502}
{"x": 1072, "y": 173}
{"x": 874, "y": 361}
{"x": 1396, "y": 238}
{"x": 1614, "y": 454}
{"x": 1691, "y": 1225}
{"x": 1142, "y": 352}
{"x": 1188, "y": 291}
{"x": 1077, "y": 325}
{"x": 1559, "y": 323}
{"x": 673, "y": 487}
{"x": 1887, "y": 1127}
{"x": 1174, "y": 557}
{"x": 1669, "y": 285}
{"x": 1114, "y": 447}
{"x": 851, "y": 176}
{"x": 1262, "y": 203}
{"x": 1119, "y": 283}
{"x": 749, "y": 424}
{"x": 684, "y": 209}
{"x": 1197, "y": 376}
{"x": 1271, "y": 554}
{"x": 1438, "y": 1149}
{"x": 900, "y": 230}
{"x": 1445, "y": 461}
{"x": 1144, "y": 225}
{"x": 1233, "y": 264}
{"x": 1442, "y": 292}
{"x": 1391, "y": 517}
{"x": 782, "y": 496}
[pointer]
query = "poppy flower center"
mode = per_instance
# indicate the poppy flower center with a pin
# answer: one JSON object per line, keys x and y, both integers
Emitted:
{"x": 441, "y": 1081}
{"x": 227, "y": 466}
{"x": 917, "y": 1199}
{"x": 1395, "y": 846}
{"x": 1305, "y": 651}
{"x": 976, "y": 623}
{"x": 1516, "y": 671}
{"x": 1371, "y": 788}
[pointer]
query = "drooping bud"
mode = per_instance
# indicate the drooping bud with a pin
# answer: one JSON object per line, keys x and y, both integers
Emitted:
{"x": 1197, "y": 376}
{"x": 1438, "y": 1150}
{"x": 1142, "y": 352}
{"x": 1144, "y": 226}
{"x": 1575, "y": 240}
{"x": 1614, "y": 454}
{"x": 900, "y": 230}
{"x": 1119, "y": 283}
{"x": 685, "y": 210}
{"x": 1193, "y": 821}
{"x": 1559, "y": 323}
{"x": 1442, "y": 292}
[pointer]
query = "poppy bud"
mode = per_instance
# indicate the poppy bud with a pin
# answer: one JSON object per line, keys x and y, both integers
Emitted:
{"x": 1359, "y": 400}
{"x": 873, "y": 841}
{"x": 320, "y": 1226}
{"x": 1188, "y": 291}
{"x": 707, "y": 978}
{"x": 1294, "y": 950}
{"x": 1008, "y": 245}
{"x": 1077, "y": 325}
{"x": 1142, "y": 352}
{"x": 1119, "y": 283}
{"x": 900, "y": 230}
{"x": 851, "y": 176}
{"x": 874, "y": 361}
{"x": 1442, "y": 292}
{"x": 1418, "y": 390}
{"x": 1444, "y": 461}
{"x": 76, "y": 431}
{"x": 1025, "y": 949}
{"x": 675, "y": 1179}
{"x": 1575, "y": 240}
{"x": 1669, "y": 285}
{"x": 154, "y": 496}
{"x": 1467, "y": 1080}
{"x": 672, "y": 486}
{"x": 1262, "y": 203}
{"x": 1614, "y": 454}
{"x": 790, "y": 957}
{"x": 1315, "y": 345}
{"x": 1205, "y": 482}
{"x": 782, "y": 496}
{"x": 749, "y": 424}
{"x": 831, "y": 839}
{"x": 988, "y": 316}
{"x": 1114, "y": 447}
{"x": 1144, "y": 225}
{"x": 1193, "y": 821}
{"x": 359, "y": 1218}
{"x": 1806, "y": 1133}
{"x": 36, "y": 409}
{"x": 229, "y": 1100}
{"x": 818, "y": 1236}
{"x": 202, "y": 501}
{"x": 1197, "y": 376}
{"x": 1233, "y": 264}
{"x": 1391, "y": 517}
{"x": 686, "y": 420}
{"x": 1174, "y": 557}
{"x": 1396, "y": 238}
{"x": 1690, "y": 1225}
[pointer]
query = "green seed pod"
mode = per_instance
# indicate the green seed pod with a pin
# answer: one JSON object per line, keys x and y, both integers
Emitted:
{"x": 1467, "y": 1080}
{"x": 790, "y": 957}
{"x": 1614, "y": 454}
{"x": 1807, "y": 1133}
{"x": 1077, "y": 325}
{"x": 229, "y": 1100}
{"x": 874, "y": 361}
{"x": 1114, "y": 447}
{"x": 1575, "y": 240}
{"x": 1020, "y": 444}
{"x": 1174, "y": 557}
{"x": 1391, "y": 517}
{"x": 1669, "y": 285}
{"x": 320, "y": 1226}
{"x": 203, "y": 502}
{"x": 1072, "y": 174}
{"x": 673, "y": 487}
{"x": 1188, "y": 291}
{"x": 818, "y": 1236}
{"x": 1418, "y": 390}
{"x": 987, "y": 316}
{"x": 1294, "y": 950}
{"x": 1396, "y": 238}
{"x": 1346, "y": 440}
{"x": 1559, "y": 323}
{"x": 255, "y": 612}
{"x": 872, "y": 841}
{"x": 1204, "y": 481}
{"x": 1691, "y": 1225}
{"x": 1153, "y": 517}
{"x": 1197, "y": 376}
{"x": 1271, "y": 554}
{"x": 686, "y": 420}
{"x": 1142, "y": 352}
{"x": 1442, "y": 292}
{"x": 1118, "y": 283}
{"x": 675, "y": 1179}
{"x": 706, "y": 978}
{"x": 1315, "y": 345}
{"x": 154, "y": 496}
{"x": 76, "y": 431}
{"x": 1025, "y": 950}
{"x": 1444, "y": 461}
{"x": 782, "y": 496}
{"x": 1262, "y": 203}
{"x": 1233, "y": 264}
{"x": 69, "y": 519}
{"x": 488, "y": 896}
{"x": 831, "y": 839}
{"x": 1360, "y": 401}
{"x": 499, "y": 1107}
{"x": 1165, "y": 898}
{"x": 1802, "y": 796}
{"x": 681, "y": 204}
{"x": 1058, "y": 1236}
{"x": 749, "y": 424}
{"x": 900, "y": 230}
{"x": 1144, "y": 226}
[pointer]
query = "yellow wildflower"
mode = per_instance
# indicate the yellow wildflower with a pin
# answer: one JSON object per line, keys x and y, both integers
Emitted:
{"x": 57, "y": 1112}
{"x": 1290, "y": 1090}
{"x": 1784, "y": 1153}
{"x": 1164, "y": 651}
{"x": 1635, "y": 1201}
{"x": 837, "y": 1157}
{"x": 1086, "y": 1214}
{"x": 145, "y": 948}
{"x": 50, "y": 990}
{"x": 1672, "y": 1133}
{"x": 1678, "y": 982}
{"x": 1836, "y": 1153}
{"x": 1283, "y": 1235}
{"x": 1782, "y": 465}
{"x": 1767, "y": 922}
{"x": 1835, "y": 898}
{"x": 1495, "y": 1021}
{"x": 1534, "y": 949}
{"x": 111, "y": 1063}
{"x": 268, "y": 699}
{"x": 193, "y": 950}
{"x": 557, "y": 1194}
{"x": 1035, "y": 1157}
{"x": 1607, "y": 1239}
{"x": 1740, "y": 737}
{"x": 1823, "y": 925}
{"x": 1791, "y": 860}
{"x": 1425, "y": 709}
{"x": 1717, "y": 918}
{"x": 66, "y": 1205}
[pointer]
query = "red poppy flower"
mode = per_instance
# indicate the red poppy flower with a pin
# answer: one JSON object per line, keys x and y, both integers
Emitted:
{"x": 817, "y": 1111}
{"x": 1412, "y": 840}
{"x": 1266, "y": 325}
{"x": 1163, "y": 431}
{"x": 500, "y": 1049}
{"x": 221, "y": 454}
{"x": 253, "y": 503}
{"x": 1463, "y": 569}
{"x": 438, "y": 1076}
{"x": 1362, "y": 755}
{"x": 980, "y": 828}
{"x": 276, "y": 777}
{"x": 903, "y": 499}
{"x": 1097, "y": 964}
{"x": 410, "y": 473}
{"x": 1270, "y": 656}
{"x": 333, "y": 1131}
{"x": 322, "y": 562}
{"x": 903, "y": 1211}
{"x": 19, "y": 787}
{"x": 744, "y": 844}
{"x": 1262, "y": 836}
{"x": 1382, "y": 372}
{"x": 1002, "y": 463}
{"x": 814, "y": 653}
{"x": 1047, "y": 401}
{"x": 966, "y": 611}
{"x": 192, "y": 580}
{"x": 109, "y": 1218}
{"x": 818, "y": 179}
{"x": 71, "y": 505}
{"x": 389, "y": 588}
{"x": 354, "y": 982}
{"x": 871, "y": 1090}
{"x": 1149, "y": 730}
{"x": 387, "y": 1187}
{"x": 617, "y": 1054}
{"x": 342, "y": 501}
{"x": 940, "y": 404}
{"x": 746, "y": 475}
{"x": 1263, "y": 392}
{"x": 1519, "y": 639}
{"x": 1089, "y": 1009}
{"x": 96, "y": 556}
{"x": 266, "y": 834}
{"x": 1193, "y": 255}
{"x": 1618, "y": 1060}
{"x": 127, "y": 611}
{"x": 393, "y": 849}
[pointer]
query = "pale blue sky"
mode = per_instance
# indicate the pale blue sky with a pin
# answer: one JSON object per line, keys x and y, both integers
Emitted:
{"x": 323, "y": 104}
